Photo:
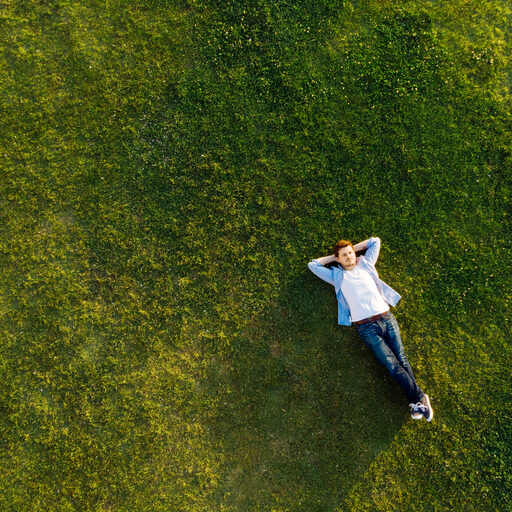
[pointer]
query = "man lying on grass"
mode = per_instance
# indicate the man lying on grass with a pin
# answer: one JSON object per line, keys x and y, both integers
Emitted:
{"x": 363, "y": 301}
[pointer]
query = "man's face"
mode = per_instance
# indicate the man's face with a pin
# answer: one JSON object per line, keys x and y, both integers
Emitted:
{"x": 347, "y": 257}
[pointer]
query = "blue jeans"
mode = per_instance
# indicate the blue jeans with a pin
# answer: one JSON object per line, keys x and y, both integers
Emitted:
{"x": 382, "y": 337}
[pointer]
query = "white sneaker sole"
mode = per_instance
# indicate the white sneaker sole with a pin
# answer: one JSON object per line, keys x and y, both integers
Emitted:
{"x": 431, "y": 410}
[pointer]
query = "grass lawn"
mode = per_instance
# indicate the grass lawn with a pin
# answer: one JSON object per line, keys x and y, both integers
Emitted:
{"x": 167, "y": 170}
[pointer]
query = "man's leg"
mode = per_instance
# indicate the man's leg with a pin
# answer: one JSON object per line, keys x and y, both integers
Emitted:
{"x": 372, "y": 334}
{"x": 394, "y": 342}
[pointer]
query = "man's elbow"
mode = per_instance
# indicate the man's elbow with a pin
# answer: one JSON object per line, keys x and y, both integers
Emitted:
{"x": 312, "y": 264}
{"x": 374, "y": 240}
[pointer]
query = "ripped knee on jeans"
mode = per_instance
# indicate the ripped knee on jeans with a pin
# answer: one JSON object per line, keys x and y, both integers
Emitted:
{"x": 395, "y": 369}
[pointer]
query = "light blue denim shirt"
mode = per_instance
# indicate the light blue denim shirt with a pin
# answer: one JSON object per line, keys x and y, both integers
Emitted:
{"x": 334, "y": 276}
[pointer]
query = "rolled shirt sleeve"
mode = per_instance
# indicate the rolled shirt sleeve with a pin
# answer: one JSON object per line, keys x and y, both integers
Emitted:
{"x": 324, "y": 273}
{"x": 373, "y": 249}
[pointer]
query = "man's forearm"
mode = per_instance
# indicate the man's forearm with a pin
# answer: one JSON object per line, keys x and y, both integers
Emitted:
{"x": 324, "y": 260}
{"x": 361, "y": 246}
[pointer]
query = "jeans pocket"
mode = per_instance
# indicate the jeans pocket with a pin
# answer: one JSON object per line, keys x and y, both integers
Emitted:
{"x": 366, "y": 333}
{"x": 361, "y": 328}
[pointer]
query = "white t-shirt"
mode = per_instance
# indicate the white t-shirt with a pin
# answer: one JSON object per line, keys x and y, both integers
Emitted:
{"x": 362, "y": 294}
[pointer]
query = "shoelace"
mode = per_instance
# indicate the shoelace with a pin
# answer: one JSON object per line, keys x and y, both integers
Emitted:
{"x": 421, "y": 407}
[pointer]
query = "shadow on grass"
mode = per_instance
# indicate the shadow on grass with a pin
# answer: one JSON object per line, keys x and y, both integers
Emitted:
{"x": 306, "y": 408}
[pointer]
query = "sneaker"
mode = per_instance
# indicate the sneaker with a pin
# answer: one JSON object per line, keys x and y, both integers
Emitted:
{"x": 425, "y": 407}
{"x": 416, "y": 413}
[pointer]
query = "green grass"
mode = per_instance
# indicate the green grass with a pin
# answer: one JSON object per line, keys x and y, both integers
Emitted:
{"x": 167, "y": 171}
